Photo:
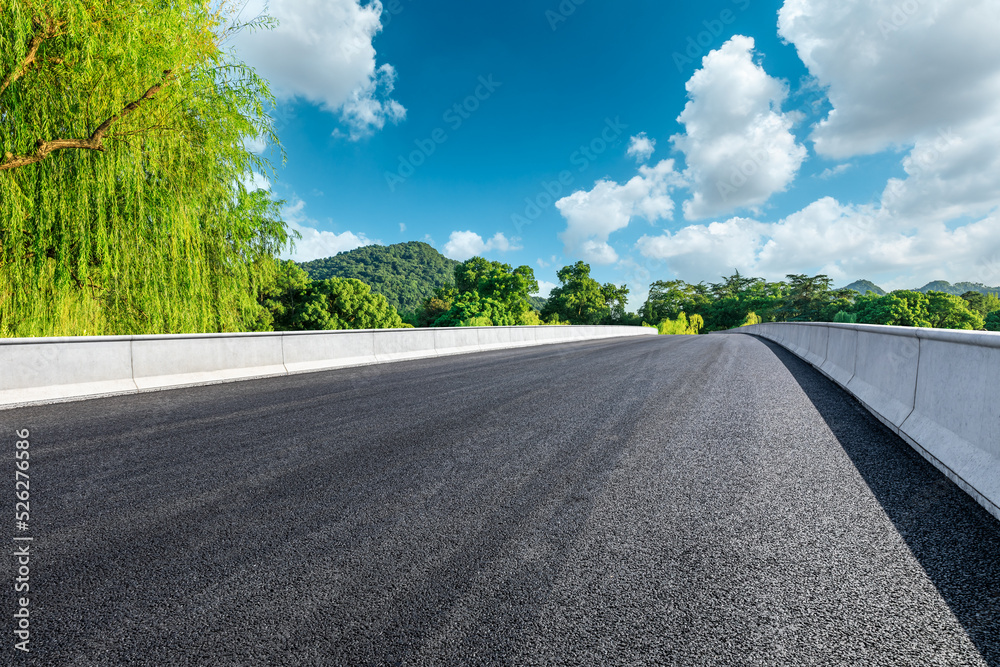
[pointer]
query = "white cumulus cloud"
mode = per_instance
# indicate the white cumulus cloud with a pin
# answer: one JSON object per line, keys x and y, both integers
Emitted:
{"x": 843, "y": 241}
{"x": 316, "y": 243}
{"x": 737, "y": 143}
{"x": 896, "y": 70}
{"x": 592, "y": 216}
{"x": 641, "y": 147}
{"x": 545, "y": 288}
{"x": 922, "y": 75}
{"x": 705, "y": 252}
{"x": 463, "y": 245}
{"x": 322, "y": 52}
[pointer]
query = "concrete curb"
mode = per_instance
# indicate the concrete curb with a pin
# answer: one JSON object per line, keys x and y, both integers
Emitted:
{"x": 51, "y": 370}
{"x": 935, "y": 388}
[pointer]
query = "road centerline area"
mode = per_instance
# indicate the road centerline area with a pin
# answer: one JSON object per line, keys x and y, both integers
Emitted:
{"x": 663, "y": 500}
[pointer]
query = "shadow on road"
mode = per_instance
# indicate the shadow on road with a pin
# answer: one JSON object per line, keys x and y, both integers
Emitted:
{"x": 954, "y": 539}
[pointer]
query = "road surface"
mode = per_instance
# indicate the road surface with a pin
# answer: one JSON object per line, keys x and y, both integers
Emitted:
{"x": 684, "y": 500}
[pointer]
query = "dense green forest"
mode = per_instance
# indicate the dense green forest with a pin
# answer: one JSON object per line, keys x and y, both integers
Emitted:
{"x": 122, "y": 162}
{"x": 482, "y": 292}
{"x": 487, "y": 293}
{"x": 297, "y": 303}
{"x": 740, "y": 300}
{"x": 405, "y": 273}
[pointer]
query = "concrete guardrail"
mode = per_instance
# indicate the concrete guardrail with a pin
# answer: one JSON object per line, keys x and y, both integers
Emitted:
{"x": 47, "y": 370}
{"x": 938, "y": 389}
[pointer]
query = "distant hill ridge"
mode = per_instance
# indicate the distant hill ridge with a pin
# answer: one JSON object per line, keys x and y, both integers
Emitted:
{"x": 958, "y": 289}
{"x": 405, "y": 273}
{"x": 866, "y": 286}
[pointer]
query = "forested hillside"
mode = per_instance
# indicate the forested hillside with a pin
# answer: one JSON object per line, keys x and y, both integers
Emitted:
{"x": 866, "y": 286}
{"x": 958, "y": 289}
{"x": 405, "y": 273}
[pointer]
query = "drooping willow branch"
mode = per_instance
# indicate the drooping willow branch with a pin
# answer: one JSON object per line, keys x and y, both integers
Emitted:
{"x": 46, "y": 32}
{"x": 96, "y": 140}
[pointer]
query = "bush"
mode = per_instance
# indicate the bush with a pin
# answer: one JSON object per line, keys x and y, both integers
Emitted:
{"x": 681, "y": 326}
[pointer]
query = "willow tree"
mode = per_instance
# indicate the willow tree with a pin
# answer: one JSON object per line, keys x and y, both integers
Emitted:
{"x": 122, "y": 163}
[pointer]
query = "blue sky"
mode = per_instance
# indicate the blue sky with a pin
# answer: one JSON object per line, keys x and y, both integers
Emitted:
{"x": 655, "y": 140}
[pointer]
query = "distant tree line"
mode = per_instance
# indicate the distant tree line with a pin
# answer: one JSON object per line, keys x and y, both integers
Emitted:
{"x": 739, "y": 300}
{"x": 489, "y": 293}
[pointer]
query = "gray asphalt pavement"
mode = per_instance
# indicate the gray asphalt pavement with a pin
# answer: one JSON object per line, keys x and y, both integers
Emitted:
{"x": 702, "y": 500}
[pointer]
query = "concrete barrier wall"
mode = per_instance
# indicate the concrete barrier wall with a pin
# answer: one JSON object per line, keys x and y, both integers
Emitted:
{"x": 45, "y": 370}
{"x": 176, "y": 361}
{"x": 405, "y": 344}
{"x": 307, "y": 351}
{"x": 841, "y": 355}
{"x": 885, "y": 374}
{"x": 936, "y": 388}
{"x": 34, "y": 370}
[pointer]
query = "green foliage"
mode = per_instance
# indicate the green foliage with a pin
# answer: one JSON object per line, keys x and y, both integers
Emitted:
{"x": 905, "y": 308}
{"x": 616, "y": 300}
{"x": 530, "y": 319}
{"x": 405, "y": 273}
{"x": 484, "y": 289}
{"x": 984, "y": 304}
{"x": 909, "y": 308}
{"x": 682, "y": 326}
{"x": 122, "y": 209}
{"x": 811, "y": 299}
{"x": 992, "y": 322}
{"x": 284, "y": 296}
{"x": 739, "y": 300}
{"x": 668, "y": 299}
{"x": 947, "y": 311}
{"x": 299, "y": 304}
{"x": 435, "y": 306}
{"x": 579, "y": 299}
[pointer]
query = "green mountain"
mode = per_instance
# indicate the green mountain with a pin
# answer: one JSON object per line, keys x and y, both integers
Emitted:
{"x": 866, "y": 286}
{"x": 958, "y": 289}
{"x": 405, "y": 273}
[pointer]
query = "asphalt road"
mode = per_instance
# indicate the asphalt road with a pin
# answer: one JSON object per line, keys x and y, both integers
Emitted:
{"x": 702, "y": 500}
